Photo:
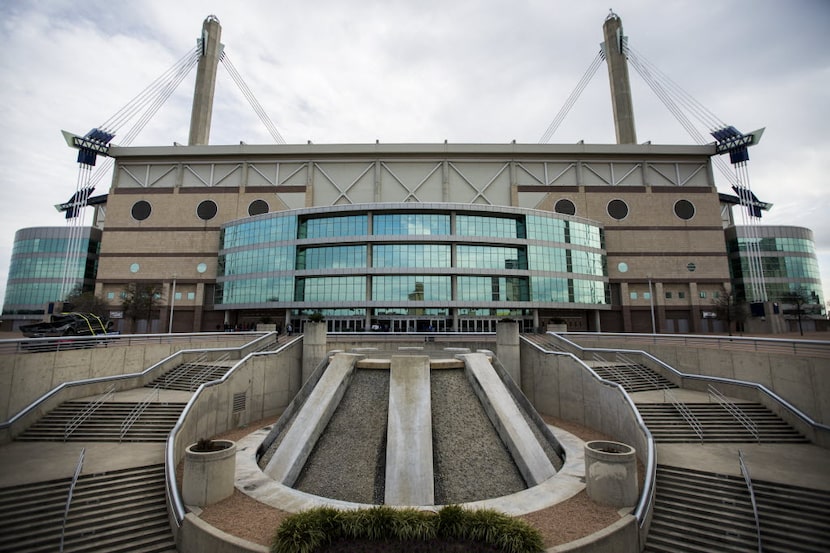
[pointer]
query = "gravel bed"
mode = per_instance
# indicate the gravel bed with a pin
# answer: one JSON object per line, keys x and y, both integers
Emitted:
{"x": 470, "y": 460}
{"x": 348, "y": 461}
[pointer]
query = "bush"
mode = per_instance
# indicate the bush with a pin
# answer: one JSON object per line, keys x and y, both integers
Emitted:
{"x": 312, "y": 530}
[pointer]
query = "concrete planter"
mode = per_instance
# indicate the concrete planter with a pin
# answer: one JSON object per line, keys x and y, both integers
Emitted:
{"x": 611, "y": 473}
{"x": 209, "y": 475}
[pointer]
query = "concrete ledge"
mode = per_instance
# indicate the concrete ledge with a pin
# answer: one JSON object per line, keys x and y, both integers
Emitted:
{"x": 409, "y": 471}
{"x": 568, "y": 482}
{"x": 373, "y": 364}
{"x": 508, "y": 421}
{"x": 620, "y": 537}
{"x": 197, "y": 536}
{"x": 288, "y": 460}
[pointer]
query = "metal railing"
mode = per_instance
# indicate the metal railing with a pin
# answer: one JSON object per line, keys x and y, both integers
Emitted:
{"x": 78, "y": 469}
{"x": 748, "y": 480}
{"x": 137, "y": 411}
{"x": 684, "y": 411}
{"x": 65, "y": 343}
{"x": 735, "y": 411}
{"x": 807, "y": 348}
{"x": 642, "y": 371}
{"x": 180, "y": 371}
{"x": 198, "y": 378}
{"x": 90, "y": 408}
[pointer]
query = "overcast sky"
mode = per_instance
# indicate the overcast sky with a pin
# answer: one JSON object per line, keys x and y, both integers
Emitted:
{"x": 485, "y": 71}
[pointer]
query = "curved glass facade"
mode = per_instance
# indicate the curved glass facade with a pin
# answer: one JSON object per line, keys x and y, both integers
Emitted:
{"x": 788, "y": 261}
{"x": 384, "y": 260}
{"x": 38, "y": 262}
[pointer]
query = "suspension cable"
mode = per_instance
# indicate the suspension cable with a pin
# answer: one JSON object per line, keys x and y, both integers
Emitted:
{"x": 150, "y": 93}
{"x": 246, "y": 91}
{"x": 577, "y": 91}
{"x": 704, "y": 115}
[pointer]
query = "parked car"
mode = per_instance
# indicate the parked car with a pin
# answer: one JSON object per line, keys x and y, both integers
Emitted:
{"x": 68, "y": 324}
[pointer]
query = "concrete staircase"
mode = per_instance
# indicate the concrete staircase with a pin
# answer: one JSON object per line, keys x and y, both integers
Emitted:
{"x": 117, "y": 511}
{"x": 104, "y": 424}
{"x": 633, "y": 377}
{"x": 189, "y": 376}
{"x": 668, "y": 425}
{"x": 697, "y": 511}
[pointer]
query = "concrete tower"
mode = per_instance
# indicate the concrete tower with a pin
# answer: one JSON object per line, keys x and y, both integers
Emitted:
{"x": 205, "y": 82}
{"x": 618, "y": 77}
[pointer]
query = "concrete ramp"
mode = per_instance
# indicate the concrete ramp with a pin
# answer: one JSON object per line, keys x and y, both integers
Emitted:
{"x": 509, "y": 422}
{"x": 308, "y": 425}
{"x": 409, "y": 472}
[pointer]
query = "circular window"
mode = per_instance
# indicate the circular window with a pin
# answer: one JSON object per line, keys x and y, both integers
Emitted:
{"x": 201, "y": 267}
{"x": 134, "y": 268}
{"x": 691, "y": 267}
{"x": 566, "y": 207}
{"x": 618, "y": 209}
{"x": 622, "y": 267}
{"x": 141, "y": 210}
{"x": 258, "y": 207}
{"x": 207, "y": 210}
{"x": 684, "y": 209}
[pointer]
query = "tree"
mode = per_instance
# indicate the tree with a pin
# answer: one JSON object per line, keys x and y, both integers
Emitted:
{"x": 86, "y": 302}
{"x": 797, "y": 299}
{"x": 730, "y": 309}
{"x": 140, "y": 300}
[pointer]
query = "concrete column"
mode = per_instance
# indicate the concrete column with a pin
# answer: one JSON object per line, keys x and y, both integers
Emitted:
{"x": 314, "y": 346}
{"x": 618, "y": 77}
{"x": 202, "y": 111}
{"x": 507, "y": 348}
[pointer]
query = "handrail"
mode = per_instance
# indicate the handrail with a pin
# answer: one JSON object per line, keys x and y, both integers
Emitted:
{"x": 174, "y": 498}
{"x": 650, "y": 476}
{"x": 137, "y": 411}
{"x": 194, "y": 380}
{"x": 685, "y": 412}
{"x": 180, "y": 370}
{"x": 619, "y": 376}
{"x": 641, "y": 370}
{"x": 90, "y": 408}
{"x": 818, "y": 348}
{"x": 735, "y": 411}
{"x": 748, "y": 480}
{"x": 78, "y": 469}
{"x": 795, "y": 411}
{"x": 35, "y": 345}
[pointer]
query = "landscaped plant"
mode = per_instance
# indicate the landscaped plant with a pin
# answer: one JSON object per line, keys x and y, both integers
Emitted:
{"x": 392, "y": 529}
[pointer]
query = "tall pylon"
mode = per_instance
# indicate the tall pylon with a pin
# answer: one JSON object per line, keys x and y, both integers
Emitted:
{"x": 211, "y": 51}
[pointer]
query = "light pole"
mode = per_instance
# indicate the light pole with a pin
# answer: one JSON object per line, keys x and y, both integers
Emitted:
{"x": 172, "y": 305}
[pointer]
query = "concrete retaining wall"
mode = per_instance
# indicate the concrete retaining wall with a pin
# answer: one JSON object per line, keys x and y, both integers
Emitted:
{"x": 802, "y": 380}
{"x": 24, "y": 377}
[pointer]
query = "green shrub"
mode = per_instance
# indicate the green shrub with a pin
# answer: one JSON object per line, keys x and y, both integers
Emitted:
{"x": 311, "y": 530}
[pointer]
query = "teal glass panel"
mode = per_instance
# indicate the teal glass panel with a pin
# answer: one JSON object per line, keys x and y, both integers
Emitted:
{"x": 545, "y": 228}
{"x": 261, "y": 260}
{"x": 488, "y": 226}
{"x": 490, "y": 257}
{"x": 330, "y": 227}
{"x": 411, "y": 224}
{"x": 332, "y": 257}
{"x": 411, "y": 255}
{"x": 411, "y": 288}
{"x": 255, "y": 290}
{"x": 274, "y": 229}
{"x": 487, "y": 289}
{"x": 347, "y": 288}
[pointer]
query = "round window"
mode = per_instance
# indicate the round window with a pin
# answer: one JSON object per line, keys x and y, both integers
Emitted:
{"x": 618, "y": 209}
{"x": 134, "y": 268}
{"x": 141, "y": 210}
{"x": 684, "y": 209}
{"x": 258, "y": 207}
{"x": 691, "y": 267}
{"x": 622, "y": 267}
{"x": 207, "y": 210}
{"x": 566, "y": 207}
{"x": 201, "y": 267}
